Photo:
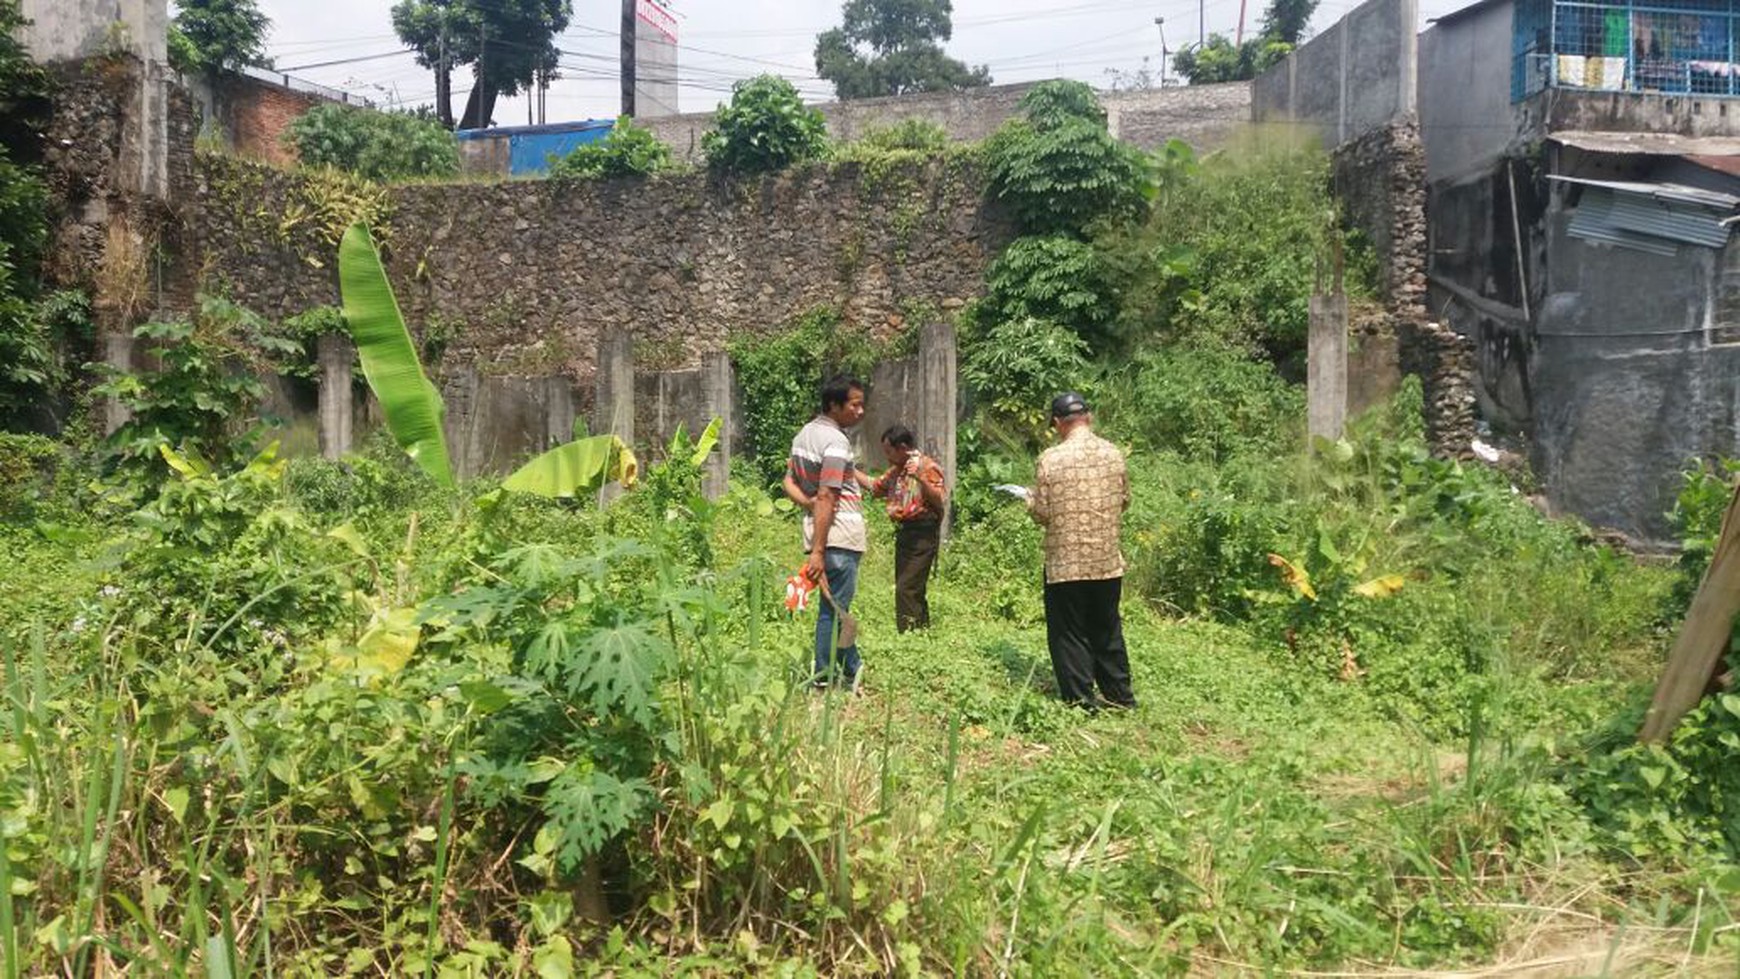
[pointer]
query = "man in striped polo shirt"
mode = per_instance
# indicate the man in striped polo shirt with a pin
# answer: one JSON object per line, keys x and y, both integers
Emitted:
{"x": 823, "y": 468}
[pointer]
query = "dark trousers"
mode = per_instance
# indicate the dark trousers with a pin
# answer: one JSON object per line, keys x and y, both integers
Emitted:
{"x": 1086, "y": 636}
{"x": 915, "y": 547}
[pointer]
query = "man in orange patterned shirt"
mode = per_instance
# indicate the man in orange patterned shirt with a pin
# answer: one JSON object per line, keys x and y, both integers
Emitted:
{"x": 1079, "y": 497}
{"x": 916, "y": 499}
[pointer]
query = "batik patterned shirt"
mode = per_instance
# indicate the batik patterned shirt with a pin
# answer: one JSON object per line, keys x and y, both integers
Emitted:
{"x": 1079, "y": 498}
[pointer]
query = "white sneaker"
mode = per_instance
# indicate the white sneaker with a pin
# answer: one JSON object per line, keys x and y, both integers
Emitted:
{"x": 858, "y": 681}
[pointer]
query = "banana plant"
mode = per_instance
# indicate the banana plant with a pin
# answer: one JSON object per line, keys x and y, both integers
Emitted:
{"x": 413, "y": 407}
{"x": 579, "y": 467}
{"x": 409, "y": 401}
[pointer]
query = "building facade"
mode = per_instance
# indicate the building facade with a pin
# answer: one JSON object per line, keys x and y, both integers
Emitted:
{"x": 1582, "y": 168}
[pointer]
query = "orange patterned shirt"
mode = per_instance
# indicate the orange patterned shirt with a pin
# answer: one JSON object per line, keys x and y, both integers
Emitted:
{"x": 905, "y": 500}
{"x": 1079, "y": 498}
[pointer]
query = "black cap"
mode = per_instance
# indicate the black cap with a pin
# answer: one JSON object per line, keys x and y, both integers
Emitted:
{"x": 1068, "y": 405}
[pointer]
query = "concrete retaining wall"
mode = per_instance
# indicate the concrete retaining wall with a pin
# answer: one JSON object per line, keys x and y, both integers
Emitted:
{"x": 1205, "y": 116}
{"x": 1354, "y": 77}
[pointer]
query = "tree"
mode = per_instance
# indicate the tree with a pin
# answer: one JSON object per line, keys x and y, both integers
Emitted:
{"x": 218, "y": 35}
{"x": 1284, "y": 23}
{"x": 509, "y": 45}
{"x": 893, "y": 47}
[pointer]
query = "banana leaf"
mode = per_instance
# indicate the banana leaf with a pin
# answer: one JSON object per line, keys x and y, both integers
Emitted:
{"x": 409, "y": 401}
{"x": 708, "y": 439}
{"x": 582, "y": 466}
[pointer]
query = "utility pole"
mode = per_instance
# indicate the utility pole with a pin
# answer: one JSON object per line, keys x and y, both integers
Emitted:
{"x": 1160, "y": 22}
{"x": 1201, "y": 23}
{"x": 628, "y": 60}
{"x": 444, "y": 79}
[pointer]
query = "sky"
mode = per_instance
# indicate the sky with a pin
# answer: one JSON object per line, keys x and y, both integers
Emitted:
{"x": 724, "y": 40}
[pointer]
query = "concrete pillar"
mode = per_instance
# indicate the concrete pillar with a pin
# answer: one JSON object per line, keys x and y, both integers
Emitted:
{"x": 614, "y": 401}
{"x": 1326, "y": 366}
{"x": 938, "y": 399}
{"x": 716, "y": 381}
{"x": 337, "y": 357}
{"x": 559, "y": 410}
{"x": 118, "y": 355}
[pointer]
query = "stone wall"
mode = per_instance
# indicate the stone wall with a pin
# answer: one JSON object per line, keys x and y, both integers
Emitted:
{"x": 1205, "y": 116}
{"x": 521, "y": 278}
{"x": 114, "y": 235}
{"x": 1380, "y": 182}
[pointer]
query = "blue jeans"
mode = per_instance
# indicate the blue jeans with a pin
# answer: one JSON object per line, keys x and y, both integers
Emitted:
{"x": 841, "y": 567}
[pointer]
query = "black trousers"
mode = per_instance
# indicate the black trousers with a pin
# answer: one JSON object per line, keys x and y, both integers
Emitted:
{"x": 915, "y": 546}
{"x": 1086, "y": 636}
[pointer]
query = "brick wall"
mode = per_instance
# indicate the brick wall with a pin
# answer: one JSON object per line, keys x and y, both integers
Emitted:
{"x": 251, "y": 115}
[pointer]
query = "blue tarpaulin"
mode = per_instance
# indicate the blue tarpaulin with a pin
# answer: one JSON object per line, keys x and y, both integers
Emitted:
{"x": 531, "y": 148}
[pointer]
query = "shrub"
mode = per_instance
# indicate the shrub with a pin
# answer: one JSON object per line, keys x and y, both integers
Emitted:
{"x": 1050, "y": 103}
{"x": 781, "y": 375}
{"x": 629, "y": 151}
{"x": 920, "y": 135}
{"x": 28, "y": 465}
{"x": 765, "y": 127}
{"x": 203, "y": 392}
{"x": 1015, "y": 367}
{"x": 1678, "y": 800}
{"x": 27, "y": 359}
{"x": 1055, "y": 278}
{"x": 1204, "y": 402}
{"x": 1060, "y": 170}
{"x": 1232, "y": 251}
{"x": 1705, "y": 490}
{"x": 382, "y": 146}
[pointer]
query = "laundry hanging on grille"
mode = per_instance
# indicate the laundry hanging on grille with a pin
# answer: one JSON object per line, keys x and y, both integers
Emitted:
{"x": 1586, "y": 72}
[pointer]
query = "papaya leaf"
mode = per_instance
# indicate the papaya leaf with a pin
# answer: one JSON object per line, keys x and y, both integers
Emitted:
{"x": 409, "y": 401}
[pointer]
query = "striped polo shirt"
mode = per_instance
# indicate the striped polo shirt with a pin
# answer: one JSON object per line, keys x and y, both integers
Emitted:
{"x": 821, "y": 455}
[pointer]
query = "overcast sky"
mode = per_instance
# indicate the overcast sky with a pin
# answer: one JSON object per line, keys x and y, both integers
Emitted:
{"x": 723, "y": 40}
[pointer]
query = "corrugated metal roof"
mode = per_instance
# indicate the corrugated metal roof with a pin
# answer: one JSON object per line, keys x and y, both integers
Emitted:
{"x": 1649, "y": 144}
{"x": 1673, "y": 193}
{"x": 1654, "y": 218}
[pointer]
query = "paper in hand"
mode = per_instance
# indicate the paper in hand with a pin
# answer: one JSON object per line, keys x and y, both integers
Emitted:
{"x": 1013, "y": 490}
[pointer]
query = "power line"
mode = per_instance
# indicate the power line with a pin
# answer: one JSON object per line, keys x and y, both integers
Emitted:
{"x": 348, "y": 61}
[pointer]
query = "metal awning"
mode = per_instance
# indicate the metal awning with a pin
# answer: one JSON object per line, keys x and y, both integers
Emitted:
{"x": 1650, "y": 217}
{"x": 1648, "y": 144}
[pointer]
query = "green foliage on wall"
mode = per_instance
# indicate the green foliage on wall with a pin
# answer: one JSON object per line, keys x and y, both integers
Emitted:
{"x": 1055, "y": 278}
{"x": 27, "y": 357}
{"x": 781, "y": 375}
{"x": 629, "y": 151}
{"x": 764, "y": 127}
{"x": 379, "y": 146}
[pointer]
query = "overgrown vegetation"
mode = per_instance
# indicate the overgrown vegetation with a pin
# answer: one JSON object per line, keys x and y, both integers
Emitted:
{"x": 629, "y": 151}
{"x": 764, "y": 127}
{"x": 379, "y": 146}
{"x": 310, "y": 718}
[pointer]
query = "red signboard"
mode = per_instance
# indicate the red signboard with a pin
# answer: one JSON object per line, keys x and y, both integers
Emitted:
{"x": 659, "y": 16}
